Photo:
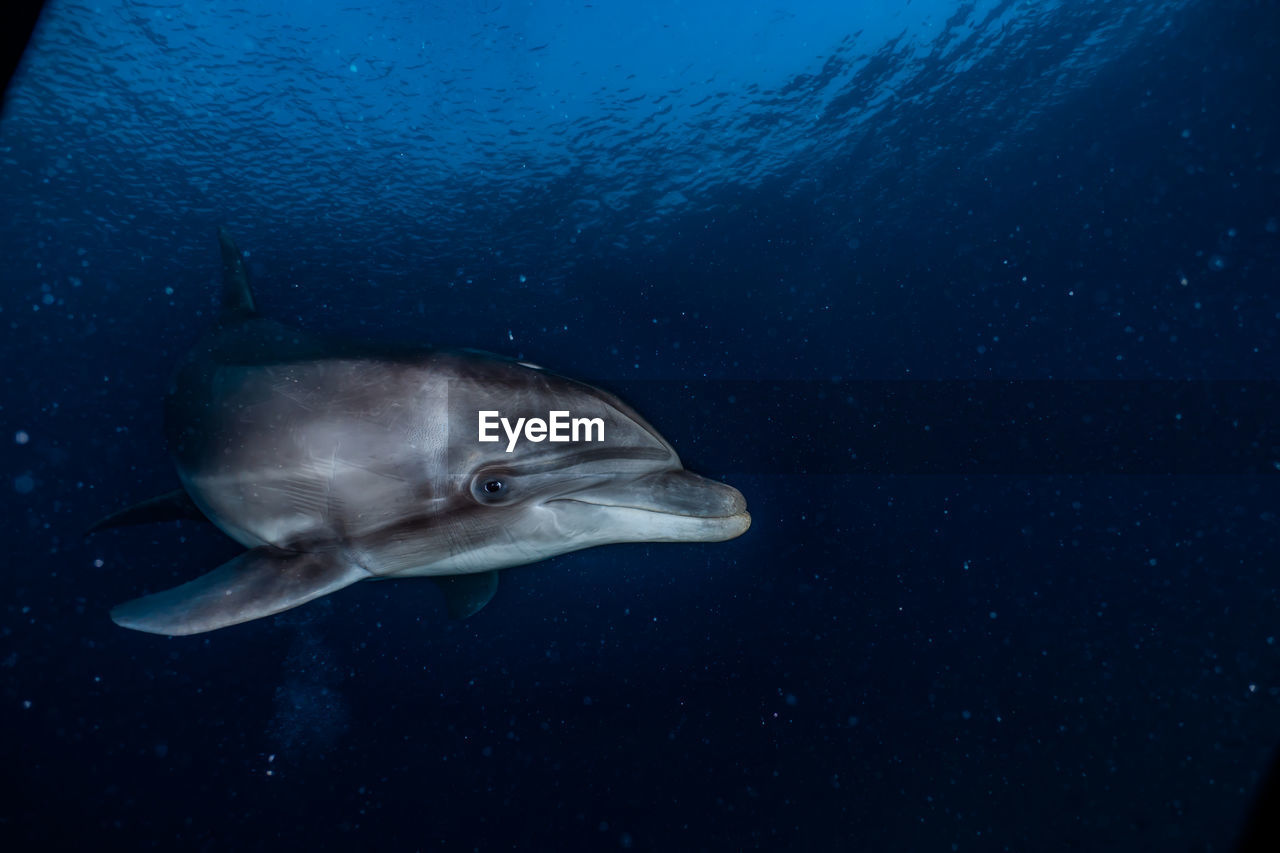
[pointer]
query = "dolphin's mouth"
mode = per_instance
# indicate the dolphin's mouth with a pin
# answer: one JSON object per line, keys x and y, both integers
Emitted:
{"x": 670, "y": 493}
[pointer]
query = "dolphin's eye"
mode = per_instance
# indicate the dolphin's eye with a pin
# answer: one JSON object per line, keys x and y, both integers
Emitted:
{"x": 490, "y": 487}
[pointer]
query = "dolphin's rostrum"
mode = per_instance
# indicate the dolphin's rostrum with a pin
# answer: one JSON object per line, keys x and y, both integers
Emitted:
{"x": 337, "y": 462}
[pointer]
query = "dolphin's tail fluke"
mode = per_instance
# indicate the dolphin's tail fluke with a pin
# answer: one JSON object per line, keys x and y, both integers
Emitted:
{"x": 237, "y": 298}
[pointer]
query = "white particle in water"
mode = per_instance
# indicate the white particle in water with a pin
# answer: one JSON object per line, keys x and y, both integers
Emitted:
{"x": 21, "y": 437}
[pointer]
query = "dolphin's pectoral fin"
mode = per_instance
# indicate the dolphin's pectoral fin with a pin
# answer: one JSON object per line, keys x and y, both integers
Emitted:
{"x": 257, "y": 583}
{"x": 174, "y": 506}
{"x": 466, "y": 595}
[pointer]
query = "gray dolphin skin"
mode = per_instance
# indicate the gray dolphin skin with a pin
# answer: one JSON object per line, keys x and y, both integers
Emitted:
{"x": 336, "y": 462}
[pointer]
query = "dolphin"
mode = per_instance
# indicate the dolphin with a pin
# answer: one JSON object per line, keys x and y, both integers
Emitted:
{"x": 334, "y": 462}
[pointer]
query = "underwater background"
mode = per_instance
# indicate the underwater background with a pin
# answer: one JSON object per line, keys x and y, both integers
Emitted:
{"x": 978, "y": 304}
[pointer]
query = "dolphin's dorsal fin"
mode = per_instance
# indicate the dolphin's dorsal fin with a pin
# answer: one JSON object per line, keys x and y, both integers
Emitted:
{"x": 237, "y": 298}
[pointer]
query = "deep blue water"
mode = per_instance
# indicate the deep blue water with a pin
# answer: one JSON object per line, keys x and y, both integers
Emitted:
{"x": 762, "y": 224}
